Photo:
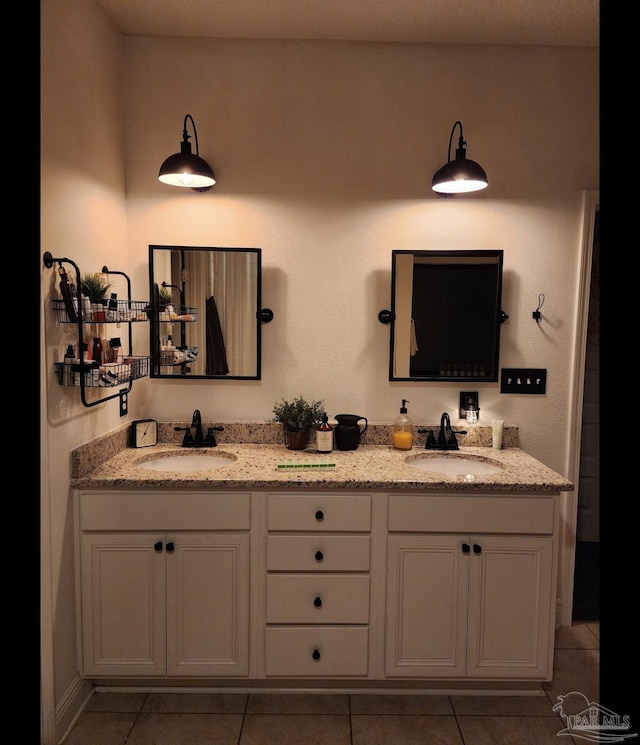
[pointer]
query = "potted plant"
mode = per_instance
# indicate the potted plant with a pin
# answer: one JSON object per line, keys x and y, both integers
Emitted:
{"x": 95, "y": 286}
{"x": 297, "y": 417}
{"x": 164, "y": 297}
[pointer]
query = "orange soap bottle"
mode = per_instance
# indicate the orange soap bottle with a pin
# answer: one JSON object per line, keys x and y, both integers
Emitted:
{"x": 403, "y": 429}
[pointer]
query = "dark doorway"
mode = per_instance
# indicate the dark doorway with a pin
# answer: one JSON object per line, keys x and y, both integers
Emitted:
{"x": 586, "y": 590}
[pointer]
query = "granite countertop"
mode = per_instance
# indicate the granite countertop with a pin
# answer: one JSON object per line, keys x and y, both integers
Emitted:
{"x": 369, "y": 467}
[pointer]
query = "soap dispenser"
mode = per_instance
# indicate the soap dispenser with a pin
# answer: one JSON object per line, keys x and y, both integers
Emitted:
{"x": 403, "y": 429}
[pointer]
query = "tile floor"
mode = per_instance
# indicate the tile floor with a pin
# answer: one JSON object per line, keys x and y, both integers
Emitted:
{"x": 341, "y": 719}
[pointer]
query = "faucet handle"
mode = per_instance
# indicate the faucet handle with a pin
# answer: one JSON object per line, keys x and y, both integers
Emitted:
{"x": 453, "y": 442}
{"x": 187, "y": 440}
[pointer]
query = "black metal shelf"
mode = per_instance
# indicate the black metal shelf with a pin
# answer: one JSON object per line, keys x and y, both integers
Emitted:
{"x": 83, "y": 374}
{"x": 107, "y": 375}
{"x": 177, "y": 314}
{"x": 125, "y": 311}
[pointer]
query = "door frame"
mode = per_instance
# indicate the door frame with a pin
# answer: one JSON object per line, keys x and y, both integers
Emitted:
{"x": 569, "y": 504}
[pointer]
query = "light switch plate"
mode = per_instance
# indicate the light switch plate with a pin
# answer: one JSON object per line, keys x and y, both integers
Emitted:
{"x": 523, "y": 380}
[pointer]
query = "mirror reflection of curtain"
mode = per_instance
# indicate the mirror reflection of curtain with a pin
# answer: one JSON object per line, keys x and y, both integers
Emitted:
{"x": 230, "y": 278}
{"x": 235, "y": 279}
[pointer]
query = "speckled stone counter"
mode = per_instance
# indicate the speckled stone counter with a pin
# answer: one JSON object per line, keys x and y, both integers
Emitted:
{"x": 369, "y": 467}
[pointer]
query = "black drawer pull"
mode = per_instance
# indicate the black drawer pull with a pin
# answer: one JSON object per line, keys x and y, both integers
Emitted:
{"x": 319, "y": 515}
{"x": 466, "y": 548}
{"x": 318, "y": 556}
{"x": 317, "y": 602}
{"x": 157, "y": 547}
{"x": 170, "y": 547}
{"x": 476, "y": 548}
{"x": 316, "y": 654}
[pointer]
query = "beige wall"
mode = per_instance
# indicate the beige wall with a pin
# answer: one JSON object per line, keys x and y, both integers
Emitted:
{"x": 324, "y": 154}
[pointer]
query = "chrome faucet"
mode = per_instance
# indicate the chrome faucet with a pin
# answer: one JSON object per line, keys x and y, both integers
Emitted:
{"x": 446, "y": 435}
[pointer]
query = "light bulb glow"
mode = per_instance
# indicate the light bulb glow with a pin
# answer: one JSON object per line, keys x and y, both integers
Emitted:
{"x": 472, "y": 416}
{"x": 460, "y": 186}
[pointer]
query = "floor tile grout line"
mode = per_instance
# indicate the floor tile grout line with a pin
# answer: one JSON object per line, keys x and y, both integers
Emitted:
{"x": 135, "y": 719}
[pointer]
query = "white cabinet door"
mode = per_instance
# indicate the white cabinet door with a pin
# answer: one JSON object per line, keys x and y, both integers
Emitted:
{"x": 208, "y": 601}
{"x": 165, "y": 604}
{"x": 123, "y": 604}
{"x": 509, "y": 606}
{"x": 473, "y": 606}
{"x": 427, "y": 578}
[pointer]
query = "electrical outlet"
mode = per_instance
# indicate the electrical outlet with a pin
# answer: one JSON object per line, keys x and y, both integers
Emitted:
{"x": 124, "y": 402}
{"x": 523, "y": 380}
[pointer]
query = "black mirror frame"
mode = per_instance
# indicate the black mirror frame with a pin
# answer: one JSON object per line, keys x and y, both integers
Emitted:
{"x": 390, "y": 316}
{"x": 263, "y": 315}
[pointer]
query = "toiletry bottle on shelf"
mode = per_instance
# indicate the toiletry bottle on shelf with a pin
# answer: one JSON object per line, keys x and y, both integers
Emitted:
{"x": 403, "y": 429}
{"x": 67, "y": 292}
{"x": 67, "y": 365}
{"x": 324, "y": 436}
{"x": 114, "y": 349}
{"x": 112, "y": 307}
{"x": 167, "y": 351}
{"x": 97, "y": 354}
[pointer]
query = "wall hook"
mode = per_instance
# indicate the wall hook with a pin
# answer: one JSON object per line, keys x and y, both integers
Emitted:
{"x": 536, "y": 313}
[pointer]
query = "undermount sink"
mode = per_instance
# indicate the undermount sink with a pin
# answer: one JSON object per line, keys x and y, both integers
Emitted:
{"x": 453, "y": 465}
{"x": 188, "y": 462}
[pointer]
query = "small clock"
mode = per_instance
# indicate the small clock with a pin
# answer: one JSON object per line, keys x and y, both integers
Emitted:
{"x": 145, "y": 433}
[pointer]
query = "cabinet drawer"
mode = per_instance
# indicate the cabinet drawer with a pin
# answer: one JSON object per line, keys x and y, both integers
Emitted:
{"x": 334, "y": 513}
{"x": 340, "y": 651}
{"x": 164, "y": 511}
{"x": 446, "y": 514}
{"x": 318, "y": 553}
{"x": 317, "y": 598}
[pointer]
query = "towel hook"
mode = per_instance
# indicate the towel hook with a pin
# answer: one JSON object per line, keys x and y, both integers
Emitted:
{"x": 536, "y": 313}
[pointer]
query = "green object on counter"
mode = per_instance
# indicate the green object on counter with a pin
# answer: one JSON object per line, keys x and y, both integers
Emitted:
{"x": 282, "y": 466}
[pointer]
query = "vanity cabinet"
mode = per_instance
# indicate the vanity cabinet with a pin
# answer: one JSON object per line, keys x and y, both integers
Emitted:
{"x": 317, "y": 585}
{"x": 470, "y": 604}
{"x": 159, "y": 602}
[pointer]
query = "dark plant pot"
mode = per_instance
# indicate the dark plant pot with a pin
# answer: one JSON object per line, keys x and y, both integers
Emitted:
{"x": 296, "y": 440}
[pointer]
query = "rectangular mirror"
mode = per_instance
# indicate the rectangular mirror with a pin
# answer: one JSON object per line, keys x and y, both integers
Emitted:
{"x": 446, "y": 315}
{"x": 205, "y": 312}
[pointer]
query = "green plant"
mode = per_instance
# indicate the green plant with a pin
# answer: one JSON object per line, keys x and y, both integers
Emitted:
{"x": 164, "y": 296}
{"x": 298, "y": 415}
{"x": 94, "y": 286}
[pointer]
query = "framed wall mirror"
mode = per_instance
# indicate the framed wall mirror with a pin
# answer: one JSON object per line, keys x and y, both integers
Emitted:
{"x": 445, "y": 315}
{"x": 205, "y": 312}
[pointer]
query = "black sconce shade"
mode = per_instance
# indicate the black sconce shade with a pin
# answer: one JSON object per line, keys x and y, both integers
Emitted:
{"x": 186, "y": 169}
{"x": 461, "y": 175}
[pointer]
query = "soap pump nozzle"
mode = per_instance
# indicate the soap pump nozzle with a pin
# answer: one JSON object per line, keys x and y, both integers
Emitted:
{"x": 403, "y": 408}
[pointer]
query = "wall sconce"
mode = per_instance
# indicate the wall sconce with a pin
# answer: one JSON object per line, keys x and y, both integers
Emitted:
{"x": 469, "y": 409}
{"x": 186, "y": 169}
{"x": 461, "y": 175}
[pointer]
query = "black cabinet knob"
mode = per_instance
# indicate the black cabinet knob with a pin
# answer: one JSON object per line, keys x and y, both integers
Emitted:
{"x": 319, "y": 515}
{"x": 170, "y": 547}
{"x": 317, "y": 602}
{"x": 476, "y": 548}
{"x": 316, "y": 654}
{"x": 157, "y": 547}
{"x": 466, "y": 548}
{"x": 319, "y": 556}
